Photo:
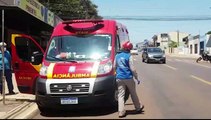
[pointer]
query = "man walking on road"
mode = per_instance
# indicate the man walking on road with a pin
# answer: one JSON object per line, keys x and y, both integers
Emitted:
{"x": 125, "y": 72}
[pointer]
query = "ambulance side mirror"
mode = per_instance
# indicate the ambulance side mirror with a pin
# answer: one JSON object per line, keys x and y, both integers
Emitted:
{"x": 36, "y": 59}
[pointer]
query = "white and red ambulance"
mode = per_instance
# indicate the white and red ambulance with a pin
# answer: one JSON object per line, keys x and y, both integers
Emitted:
{"x": 77, "y": 67}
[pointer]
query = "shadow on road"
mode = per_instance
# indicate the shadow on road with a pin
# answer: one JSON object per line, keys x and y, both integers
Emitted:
{"x": 81, "y": 112}
{"x": 133, "y": 112}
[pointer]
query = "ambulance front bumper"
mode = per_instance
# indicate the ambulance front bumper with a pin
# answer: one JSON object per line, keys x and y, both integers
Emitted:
{"x": 100, "y": 92}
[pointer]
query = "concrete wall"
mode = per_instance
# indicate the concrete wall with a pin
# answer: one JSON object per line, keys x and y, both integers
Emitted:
{"x": 194, "y": 42}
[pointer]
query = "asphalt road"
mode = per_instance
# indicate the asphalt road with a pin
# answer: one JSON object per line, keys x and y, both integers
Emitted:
{"x": 179, "y": 89}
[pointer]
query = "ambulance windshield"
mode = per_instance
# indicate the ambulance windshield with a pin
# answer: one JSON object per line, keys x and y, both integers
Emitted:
{"x": 79, "y": 48}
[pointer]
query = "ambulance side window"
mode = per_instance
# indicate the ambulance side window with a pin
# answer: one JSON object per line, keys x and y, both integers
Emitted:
{"x": 25, "y": 48}
{"x": 117, "y": 45}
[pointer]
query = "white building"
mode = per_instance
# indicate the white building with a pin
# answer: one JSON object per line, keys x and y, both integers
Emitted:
{"x": 194, "y": 44}
{"x": 164, "y": 40}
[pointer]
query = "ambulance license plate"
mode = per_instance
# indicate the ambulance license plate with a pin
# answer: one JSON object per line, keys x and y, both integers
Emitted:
{"x": 72, "y": 100}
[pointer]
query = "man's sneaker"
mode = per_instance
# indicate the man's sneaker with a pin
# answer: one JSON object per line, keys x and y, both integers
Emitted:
{"x": 140, "y": 110}
{"x": 122, "y": 114}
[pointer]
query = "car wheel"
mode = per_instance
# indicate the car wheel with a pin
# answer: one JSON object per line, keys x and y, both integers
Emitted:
{"x": 146, "y": 60}
{"x": 164, "y": 61}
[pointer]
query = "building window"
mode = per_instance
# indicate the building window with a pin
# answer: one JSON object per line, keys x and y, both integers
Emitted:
{"x": 196, "y": 48}
{"x": 191, "y": 49}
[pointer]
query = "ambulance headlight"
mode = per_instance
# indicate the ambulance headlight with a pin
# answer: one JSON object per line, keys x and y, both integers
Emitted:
{"x": 105, "y": 68}
{"x": 43, "y": 70}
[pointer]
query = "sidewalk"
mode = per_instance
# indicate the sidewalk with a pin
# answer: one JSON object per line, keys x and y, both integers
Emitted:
{"x": 183, "y": 55}
{"x": 18, "y": 106}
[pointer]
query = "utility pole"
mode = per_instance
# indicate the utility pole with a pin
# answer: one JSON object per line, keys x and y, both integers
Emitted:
{"x": 2, "y": 50}
{"x": 177, "y": 38}
{"x": 48, "y": 4}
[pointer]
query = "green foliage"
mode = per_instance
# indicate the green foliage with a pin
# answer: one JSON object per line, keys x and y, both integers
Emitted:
{"x": 72, "y": 9}
{"x": 173, "y": 44}
{"x": 209, "y": 32}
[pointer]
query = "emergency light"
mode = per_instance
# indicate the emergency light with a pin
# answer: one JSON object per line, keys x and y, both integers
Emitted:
{"x": 80, "y": 29}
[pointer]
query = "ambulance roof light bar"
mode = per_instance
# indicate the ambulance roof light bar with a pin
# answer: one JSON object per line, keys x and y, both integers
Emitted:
{"x": 96, "y": 21}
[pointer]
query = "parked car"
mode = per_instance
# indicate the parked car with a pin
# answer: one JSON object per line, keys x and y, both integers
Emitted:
{"x": 134, "y": 51}
{"x": 153, "y": 54}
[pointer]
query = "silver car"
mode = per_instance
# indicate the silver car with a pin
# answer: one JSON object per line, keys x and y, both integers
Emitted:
{"x": 153, "y": 54}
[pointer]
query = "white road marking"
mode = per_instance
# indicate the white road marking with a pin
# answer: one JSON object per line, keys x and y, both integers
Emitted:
{"x": 178, "y": 60}
{"x": 191, "y": 62}
{"x": 198, "y": 64}
{"x": 170, "y": 67}
{"x": 200, "y": 79}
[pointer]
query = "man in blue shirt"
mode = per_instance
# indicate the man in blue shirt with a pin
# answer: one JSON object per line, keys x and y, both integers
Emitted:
{"x": 125, "y": 72}
{"x": 7, "y": 68}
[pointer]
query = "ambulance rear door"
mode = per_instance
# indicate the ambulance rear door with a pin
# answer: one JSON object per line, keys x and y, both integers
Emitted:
{"x": 23, "y": 47}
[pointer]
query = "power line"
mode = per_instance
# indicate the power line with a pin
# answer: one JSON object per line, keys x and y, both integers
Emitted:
{"x": 160, "y": 18}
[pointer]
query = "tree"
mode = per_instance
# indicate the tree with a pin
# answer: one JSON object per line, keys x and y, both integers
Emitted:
{"x": 72, "y": 9}
{"x": 173, "y": 44}
{"x": 209, "y": 32}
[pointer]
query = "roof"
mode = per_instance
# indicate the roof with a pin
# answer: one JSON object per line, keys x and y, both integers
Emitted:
{"x": 18, "y": 19}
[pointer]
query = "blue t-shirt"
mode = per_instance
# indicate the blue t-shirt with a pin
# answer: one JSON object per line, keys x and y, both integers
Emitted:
{"x": 123, "y": 70}
{"x": 7, "y": 60}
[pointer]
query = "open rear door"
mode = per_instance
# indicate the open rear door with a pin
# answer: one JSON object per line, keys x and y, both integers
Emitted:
{"x": 22, "y": 49}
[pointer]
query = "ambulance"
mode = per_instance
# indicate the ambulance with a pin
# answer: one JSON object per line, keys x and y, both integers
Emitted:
{"x": 78, "y": 65}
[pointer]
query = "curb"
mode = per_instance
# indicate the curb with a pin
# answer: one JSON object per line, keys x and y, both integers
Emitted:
{"x": 19, "y": 97}
{"x": 27, "y": 110}
{"x": 24, "y": 111}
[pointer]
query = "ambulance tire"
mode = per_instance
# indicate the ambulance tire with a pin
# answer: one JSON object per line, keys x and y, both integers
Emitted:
{"x": 45, "y": 110}
{"x": 114, "y": 100}
{"x": 34, "y": 87}
{"x": 42, "y": 109}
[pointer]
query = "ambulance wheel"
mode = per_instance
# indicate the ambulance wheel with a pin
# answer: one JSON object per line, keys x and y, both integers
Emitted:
{"x": 34, "y": 87}
{"x": 114, "y": 101}
{"x": 43, "y": 109}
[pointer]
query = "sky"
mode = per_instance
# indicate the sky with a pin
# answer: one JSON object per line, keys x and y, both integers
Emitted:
{"x": 151, "y": 17}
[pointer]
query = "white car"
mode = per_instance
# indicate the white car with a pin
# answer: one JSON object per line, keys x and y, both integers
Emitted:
{"x": 134, "y": 51}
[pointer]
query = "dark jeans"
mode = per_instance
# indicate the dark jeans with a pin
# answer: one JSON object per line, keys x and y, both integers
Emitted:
{"x": 8, "y": 75}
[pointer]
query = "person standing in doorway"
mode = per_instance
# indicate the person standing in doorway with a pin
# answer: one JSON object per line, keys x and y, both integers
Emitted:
{"x": 125, "y": 72}
{"x": 7, "y": 68}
